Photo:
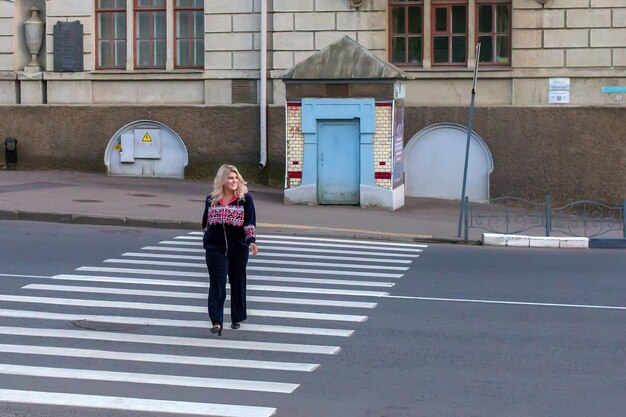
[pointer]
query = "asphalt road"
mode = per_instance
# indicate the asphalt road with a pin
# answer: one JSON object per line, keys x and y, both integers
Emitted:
{"x": 465, "y": 331}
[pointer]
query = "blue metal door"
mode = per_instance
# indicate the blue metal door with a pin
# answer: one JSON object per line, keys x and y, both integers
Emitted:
{"x": 338, "y": 162}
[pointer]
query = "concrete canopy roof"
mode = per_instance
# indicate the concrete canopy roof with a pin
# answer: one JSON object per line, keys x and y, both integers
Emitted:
{"x": 343, "y": 60}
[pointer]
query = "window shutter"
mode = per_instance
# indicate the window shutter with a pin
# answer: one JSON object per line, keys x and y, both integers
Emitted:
{"x": 68, "y": 46}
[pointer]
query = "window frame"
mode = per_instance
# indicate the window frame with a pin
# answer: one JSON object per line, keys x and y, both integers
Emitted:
{"x": 97, "y": 12}
{"x": 151, "y": 9}
{"x": 190, "y": 10}
{"x": 396, "y": 4}
{"x": 448, "y": 4}
{"x": 493, "y": 33}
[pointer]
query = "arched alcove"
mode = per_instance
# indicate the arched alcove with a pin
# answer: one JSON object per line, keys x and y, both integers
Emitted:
{"x": 146, "y": 148}
{"x": 434, "y": 160}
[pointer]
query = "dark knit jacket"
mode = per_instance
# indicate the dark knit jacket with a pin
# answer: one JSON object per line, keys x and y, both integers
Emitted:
{"x": 230, "y": 227}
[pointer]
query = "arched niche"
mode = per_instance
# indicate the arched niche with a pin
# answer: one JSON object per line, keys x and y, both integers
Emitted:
{"x": 146, "y": 148}
{"x": 434, "y": 160}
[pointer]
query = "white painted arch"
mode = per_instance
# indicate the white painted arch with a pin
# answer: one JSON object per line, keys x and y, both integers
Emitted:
{"x": 434, "y": 160}
{"x": 170, "y": 162}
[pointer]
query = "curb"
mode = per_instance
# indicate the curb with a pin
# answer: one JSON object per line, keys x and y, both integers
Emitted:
{"x": 97, "y": 220}
{"x": 319, "y": 231}
{"x": 496, "y": 239}
{"x": 598, "y": 243}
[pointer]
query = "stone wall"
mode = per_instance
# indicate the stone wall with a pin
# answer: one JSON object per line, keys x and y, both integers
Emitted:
{"x": 573, "y": 153}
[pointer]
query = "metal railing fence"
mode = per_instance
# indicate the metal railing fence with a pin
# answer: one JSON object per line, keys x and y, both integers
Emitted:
{"x": 513, "y": 215}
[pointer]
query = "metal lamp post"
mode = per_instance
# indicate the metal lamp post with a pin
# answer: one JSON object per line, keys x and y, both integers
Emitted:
{"x": 467, "y": 145}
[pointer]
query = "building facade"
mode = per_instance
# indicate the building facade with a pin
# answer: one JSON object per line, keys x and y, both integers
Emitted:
{"x": 550, "y": 99}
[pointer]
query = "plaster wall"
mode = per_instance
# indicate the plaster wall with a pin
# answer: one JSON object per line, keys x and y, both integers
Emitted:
{"x": 584, "y": 40}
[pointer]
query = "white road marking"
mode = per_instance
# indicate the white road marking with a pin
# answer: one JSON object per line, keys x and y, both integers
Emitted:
{"x": 22, "y": 276}
{"x": 289, "y": 249}
{"x": 374, "y": 250}
{"x": 204, "y": 284}
{"x": 197, "y": 241}
{"x": 157, "y": 358}
{"x": 133, "y": 404}
{"x": 362, "y": 242}
{"x": 198, "y": 236}
{"x": 146, "y": 281}
{"x": 197, "y": 295}
{"x": 148, "y": 321}
{"x": 521, "y": 303}
{"x": 259, "y": 268}
{"x": 220, "y": 343}
{"x": 142, "y": 378}
{"x": 180, "y": 242}
{"x": 178, "y": 308}
{"x": 258, "y": 261}
{"x": 268, "y": 255}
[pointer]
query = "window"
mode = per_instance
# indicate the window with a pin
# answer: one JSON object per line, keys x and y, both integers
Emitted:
{"x": 406, "y": 32}
{"x": 150, "y": 34}
{"x": 189, "y": 29}
{"x": 449, "y": 33}
{"x": 111, "y": 34}
{"x": 494, "y": 31}
{"x": 439, "y": 33}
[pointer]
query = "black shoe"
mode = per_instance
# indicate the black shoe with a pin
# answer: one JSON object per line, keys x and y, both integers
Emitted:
{"x": 216, "y": 329}
{"x": 235, "y": 326}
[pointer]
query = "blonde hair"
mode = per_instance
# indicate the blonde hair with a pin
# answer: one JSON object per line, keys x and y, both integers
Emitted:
{"x": 221, "y": 178}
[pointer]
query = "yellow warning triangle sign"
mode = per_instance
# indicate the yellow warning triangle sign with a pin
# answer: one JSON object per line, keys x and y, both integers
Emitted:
{"x": 146, "y": 138}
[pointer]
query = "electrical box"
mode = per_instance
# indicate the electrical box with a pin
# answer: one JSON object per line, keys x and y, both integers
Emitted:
{"x": 148, "y": 143}
{"x": 127, "y": 153}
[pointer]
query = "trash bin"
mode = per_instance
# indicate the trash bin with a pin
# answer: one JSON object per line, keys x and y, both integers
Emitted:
{"x": 10, "y": 152}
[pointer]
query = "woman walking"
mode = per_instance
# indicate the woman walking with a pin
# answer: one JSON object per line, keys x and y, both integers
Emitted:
{"x": 229, "y": 223}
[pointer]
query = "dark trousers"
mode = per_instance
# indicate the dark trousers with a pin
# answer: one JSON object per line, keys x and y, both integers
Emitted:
{"x": 234, "y": 265}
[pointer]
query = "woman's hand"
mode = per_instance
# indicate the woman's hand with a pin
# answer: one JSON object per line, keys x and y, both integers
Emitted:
{"x": 254, "y": 248}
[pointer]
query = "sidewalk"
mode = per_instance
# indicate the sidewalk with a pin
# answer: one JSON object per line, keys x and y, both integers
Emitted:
{"x": 87, "y": 198}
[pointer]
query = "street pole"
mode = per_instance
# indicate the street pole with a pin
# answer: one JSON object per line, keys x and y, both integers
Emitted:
{"x": 469, "y": 134}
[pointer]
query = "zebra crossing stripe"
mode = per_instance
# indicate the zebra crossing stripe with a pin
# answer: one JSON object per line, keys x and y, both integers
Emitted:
{"x": 262, "y": 261}
{"x": 267, "y": 255}
{"x": 321, "y": 239}
{"x": 204, "y": 284}
{"x": 267, "y": 248}
{"x": 190, "y": 241}
{"x": 141, "y": 271}
{"x": 196, "y": 295}
{"x": 178, "y": 308}
{"x": 375, "y": 249}
{"x": 181, "y": 242}
{"x": 157, "y": 358}
{"x": 148, "y": 321}
{"x": 133, "y": 404}
{"x": 146, "y": 281}
{"x": 257, "y": 268}
{"x": 142, "y": 378}
{"x": 172, "y": 340}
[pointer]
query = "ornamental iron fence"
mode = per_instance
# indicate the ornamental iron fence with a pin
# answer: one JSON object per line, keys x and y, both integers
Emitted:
{"x": 513, "y": 215}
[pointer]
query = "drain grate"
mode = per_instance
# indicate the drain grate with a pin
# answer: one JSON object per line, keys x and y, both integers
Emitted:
{"x": 155, "y": 205}
{"x": 106, "y": 327}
